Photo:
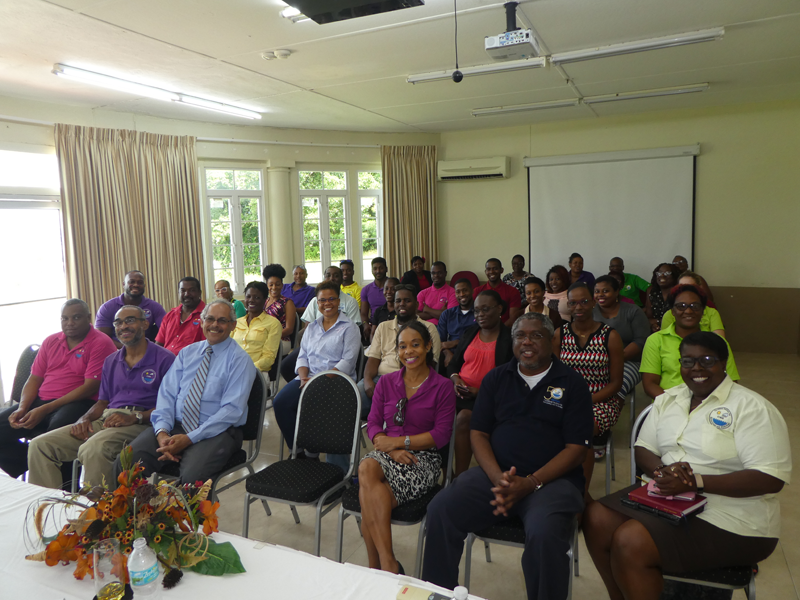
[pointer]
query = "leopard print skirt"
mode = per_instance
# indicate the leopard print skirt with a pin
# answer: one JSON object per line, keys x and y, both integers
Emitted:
{"x": 409, "y": 482}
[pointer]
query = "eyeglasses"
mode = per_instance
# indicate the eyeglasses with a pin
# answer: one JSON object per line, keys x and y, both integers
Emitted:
{"x": 222, "y": 289}
{"x": 531, "y": 337}
{"x": 665, "y": 272}
{"x": 400, "y": 415}
{"x": 127, "y": 321}
{"x": 223, "y": 321}
{"x": 327, "y": 300}
{"x": 695, "y": 306}
{"x": 687, "y": 362}
{"x": 574, "y": 303}
{"x": 485, "y": 310}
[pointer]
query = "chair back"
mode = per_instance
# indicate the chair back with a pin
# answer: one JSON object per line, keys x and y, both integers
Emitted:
{"x": 256, "y": 404}
{"x": 328, "y": 415}
{"x": 361, "y": 364}
{"x": 272, "y": 376}
{"x": 637, "y": 427}
{"x": 23, "y": 372}
{"x": 465, "y": 275}
{"x": 293, "y": 336}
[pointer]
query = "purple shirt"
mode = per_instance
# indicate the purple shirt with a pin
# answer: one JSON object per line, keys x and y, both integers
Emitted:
{"x": 122, "y": 385}
{"x": 374, "y": 295}
{"x": 430, "y": 409}
{"x": 153, "y": 311}
{"x": 301, "y": 297}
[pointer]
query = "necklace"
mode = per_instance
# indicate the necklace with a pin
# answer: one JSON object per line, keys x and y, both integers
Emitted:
{"x": 414, "y": 387}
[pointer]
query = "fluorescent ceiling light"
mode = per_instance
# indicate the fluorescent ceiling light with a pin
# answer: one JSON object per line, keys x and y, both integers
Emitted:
{"x": 140, "y": 89}
{"x": 113, "y": 83}
{"x": 500, "y": 67}
{"x": 289, "y": 12}
{"x": 683, "y": 89}
{"x": 669, "y": 41}
{"x": 219, "y": 107}
{"x": 499, "y": 110}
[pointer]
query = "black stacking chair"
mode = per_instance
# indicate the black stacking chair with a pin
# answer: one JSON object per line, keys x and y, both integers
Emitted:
{"x": 23, "y": 372}
{"x": 728, "y": 578}
{"x": 327, "y": 421}
{"x": 409, "y": 514}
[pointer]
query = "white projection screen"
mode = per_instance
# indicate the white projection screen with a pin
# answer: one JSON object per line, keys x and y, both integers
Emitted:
{"x": 638, "y": 205}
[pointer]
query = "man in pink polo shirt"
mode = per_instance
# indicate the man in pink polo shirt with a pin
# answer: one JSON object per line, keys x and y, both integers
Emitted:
{"x": 182, "y": 325}
{"x": 437, "y": 298}
{"x": 64, "y": 381}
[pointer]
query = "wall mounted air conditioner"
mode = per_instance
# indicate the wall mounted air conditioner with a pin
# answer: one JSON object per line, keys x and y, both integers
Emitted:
{"x": 476, "y": 168}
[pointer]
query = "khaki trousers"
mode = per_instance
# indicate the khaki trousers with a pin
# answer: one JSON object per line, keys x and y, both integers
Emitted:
{"x": 47, "y": 452}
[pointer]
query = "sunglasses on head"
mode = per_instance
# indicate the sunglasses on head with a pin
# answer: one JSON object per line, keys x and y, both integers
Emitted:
{"x": 400, "y": 415}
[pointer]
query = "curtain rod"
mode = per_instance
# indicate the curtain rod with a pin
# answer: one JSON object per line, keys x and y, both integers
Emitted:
{"x": 276, "y": 143}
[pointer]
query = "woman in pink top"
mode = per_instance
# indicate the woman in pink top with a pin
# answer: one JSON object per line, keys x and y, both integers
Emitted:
{"x": 480, "y": 349}
{"x": 410, "y": 422}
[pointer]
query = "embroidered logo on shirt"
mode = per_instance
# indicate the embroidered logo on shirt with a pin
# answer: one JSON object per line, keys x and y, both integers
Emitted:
{"x": 147, "y": 313}
{"x": 149, "y": 376}
{"x": 79, "y": 353}
{"x": 721, "y": 418}
{"x": 554, "y": 396}
{"x": 196, "y": 322}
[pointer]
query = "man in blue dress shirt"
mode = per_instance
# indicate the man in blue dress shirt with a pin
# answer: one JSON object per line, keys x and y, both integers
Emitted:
{"x": 453, "y": 321}
{"x": 202, "y": 403}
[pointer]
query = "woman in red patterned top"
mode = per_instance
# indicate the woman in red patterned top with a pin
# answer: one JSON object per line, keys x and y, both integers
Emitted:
{"x": 594, "y": 350}
{"x": 279, "y": 306}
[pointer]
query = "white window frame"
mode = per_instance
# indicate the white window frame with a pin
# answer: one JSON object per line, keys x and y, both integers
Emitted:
{"x": 324, "y": 221}
{"x": 378, "y": 225}
{"x": 234, "y": 198}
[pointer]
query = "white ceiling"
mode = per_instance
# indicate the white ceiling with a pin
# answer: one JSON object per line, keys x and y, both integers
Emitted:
{"x": 351, "y": 75}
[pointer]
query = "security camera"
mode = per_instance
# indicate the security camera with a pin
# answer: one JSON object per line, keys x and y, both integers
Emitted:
{"x": 458, "y": 76}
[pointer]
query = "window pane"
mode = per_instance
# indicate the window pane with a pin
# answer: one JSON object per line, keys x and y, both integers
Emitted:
{"x": 226, "y": 274}
{"x": 252, "y": 254}
{"x": 338, "y": 250}
{"x": 220, "y": 232}
{"x": 311, "y": 252}
{"x": 252, "y": 273}
{"x": 222, "y": 257}
{"x": 310, "y": 180}
{"x": 311, "y": 208}
{"x": 28, "y": 169}
{"x": 250, "y": 234}
{"x": 335, "y": 180}
{"x": 219, "y": 209}
{"x": 372, "y": 180}
{"x": 249, "y": 208}
{"x": 314, "y": 272}
{"x": 311, "y": 230}
{"x": 336, "y": 208}
{"x": 369, "y": 208}
{"x": 219, "y": 180}
{"x": 248, "y": 180}
{"x": 369, "y": 247}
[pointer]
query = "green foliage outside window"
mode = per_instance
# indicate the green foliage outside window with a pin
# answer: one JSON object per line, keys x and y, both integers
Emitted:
{"x": 370, "y": 180}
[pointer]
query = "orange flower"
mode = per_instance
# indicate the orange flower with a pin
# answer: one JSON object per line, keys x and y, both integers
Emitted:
{"x": 209, "y": 511}
{"x": 61, "y": 548}
{"x": 119, "y": 505}
{"x": 84, "y": 566}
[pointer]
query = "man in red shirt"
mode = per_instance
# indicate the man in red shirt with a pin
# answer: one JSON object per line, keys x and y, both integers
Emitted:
{"x": 509, "y": 294}
{"x": 63, "y": 385}
{"x": 182, "y": 325}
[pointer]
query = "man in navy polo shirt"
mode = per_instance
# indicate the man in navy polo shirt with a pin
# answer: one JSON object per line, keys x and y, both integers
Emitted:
{"x": 128, "y": 391}
{"x": 453, "y": 321}
{"x": 531, "y": 427}
{"x": 132, "y": 295}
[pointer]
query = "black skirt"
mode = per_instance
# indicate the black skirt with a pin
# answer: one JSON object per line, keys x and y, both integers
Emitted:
{"x": 694, "y": 544}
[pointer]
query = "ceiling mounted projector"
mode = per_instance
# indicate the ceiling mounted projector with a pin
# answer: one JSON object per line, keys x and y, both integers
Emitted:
{"x": 330, "y": 11}
{"x": 515, "y": 43}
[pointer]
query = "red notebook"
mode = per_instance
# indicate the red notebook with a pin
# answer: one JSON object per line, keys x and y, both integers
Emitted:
{"x": 669, "y": 508}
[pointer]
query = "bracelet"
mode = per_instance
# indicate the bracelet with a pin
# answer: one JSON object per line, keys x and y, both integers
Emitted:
{"x": 537, "y": 481}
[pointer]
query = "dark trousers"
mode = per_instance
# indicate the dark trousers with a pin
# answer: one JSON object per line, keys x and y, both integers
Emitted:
{"x": 464, "y": 507}
{"x": 199, "y": 462}
{"x": 14, "y": 453}
{"x": 288, "y": 364}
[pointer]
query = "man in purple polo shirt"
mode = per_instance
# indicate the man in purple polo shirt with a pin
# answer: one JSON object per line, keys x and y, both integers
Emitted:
{"x": 299, "y": 292}
{"x": 63, "y": 384}
{"x": 372, "y": 296}
{"x": 132, "y": 295}
{"x": 128, "y": 392}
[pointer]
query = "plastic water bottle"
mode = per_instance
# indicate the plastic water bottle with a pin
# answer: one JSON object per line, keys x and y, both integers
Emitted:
{"x": 143, "y": 570}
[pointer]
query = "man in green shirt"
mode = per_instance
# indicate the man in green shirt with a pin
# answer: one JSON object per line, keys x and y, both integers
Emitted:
{"x": 634, "y": 286}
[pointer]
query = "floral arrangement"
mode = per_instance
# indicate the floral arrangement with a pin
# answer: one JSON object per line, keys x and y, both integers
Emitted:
{"x": 176, "y": 521}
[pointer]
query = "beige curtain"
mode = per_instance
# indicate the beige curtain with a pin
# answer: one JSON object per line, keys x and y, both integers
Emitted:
{"x": 409, "y": 205}
{"x": 130, "y": 200}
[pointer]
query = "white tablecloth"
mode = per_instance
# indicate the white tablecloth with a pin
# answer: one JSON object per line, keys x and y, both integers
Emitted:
{"x": 272, "y": 571}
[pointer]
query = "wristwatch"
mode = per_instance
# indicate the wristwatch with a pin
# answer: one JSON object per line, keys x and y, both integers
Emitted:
{"x": 699, "y": 480}
{"x": 408, "y": 443}
{"x": 139, "y": 418}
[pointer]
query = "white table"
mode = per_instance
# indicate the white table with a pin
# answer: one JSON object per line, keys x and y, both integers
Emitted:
{"x": 272, "y": 571}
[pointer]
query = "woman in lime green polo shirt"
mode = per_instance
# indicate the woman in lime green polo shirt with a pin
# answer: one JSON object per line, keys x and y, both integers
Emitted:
{"x": 711, "y": 320}
{"x": 660, "y": 367}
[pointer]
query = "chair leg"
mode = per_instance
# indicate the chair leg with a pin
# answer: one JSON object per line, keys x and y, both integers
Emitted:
{"x": 246, "y": 517}
{"x": 294, "y": 513}
{"x": 609, "y": 464}
{"x": 576, "y": 547}
{"x": 487, "y": 551}
{"x": 318, "y": 528}
{"x": 266, "y": 507}
{"x": 339, "y": 533}
{"x": 613, "y": 460}
{"x": 750, "y": 590}
{"x": 468, "y": 559}
{"x": 76, "y": 464}
{"x": 420, "y": 542}
{"x": 358, "y": 522}
{"x": 363, "y": 441}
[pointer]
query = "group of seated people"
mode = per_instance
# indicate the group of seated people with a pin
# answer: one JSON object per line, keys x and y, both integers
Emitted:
{"x": 537, "y": 368}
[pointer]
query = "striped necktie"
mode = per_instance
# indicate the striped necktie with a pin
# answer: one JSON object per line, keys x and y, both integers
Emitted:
{"x": 191, "y": 406}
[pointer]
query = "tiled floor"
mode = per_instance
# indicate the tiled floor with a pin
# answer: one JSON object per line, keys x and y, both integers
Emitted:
{"x": 777, "y": 377}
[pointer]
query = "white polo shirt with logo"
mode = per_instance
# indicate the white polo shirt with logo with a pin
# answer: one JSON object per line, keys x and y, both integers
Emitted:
{"x": 733, "y": 429}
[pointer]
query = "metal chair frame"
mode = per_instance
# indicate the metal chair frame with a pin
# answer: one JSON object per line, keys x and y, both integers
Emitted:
{"x": 321, "y": 509}
{"x": 611, "y": 470}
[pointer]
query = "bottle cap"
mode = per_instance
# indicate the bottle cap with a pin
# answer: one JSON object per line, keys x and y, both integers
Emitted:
{"x": 460, "y": 593}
